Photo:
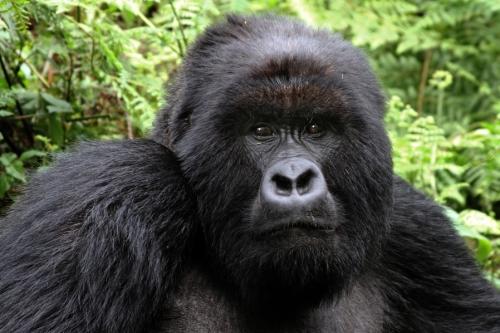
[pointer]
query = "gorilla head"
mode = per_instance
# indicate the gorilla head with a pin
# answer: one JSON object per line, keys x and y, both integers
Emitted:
{"x": 279, "y": 131}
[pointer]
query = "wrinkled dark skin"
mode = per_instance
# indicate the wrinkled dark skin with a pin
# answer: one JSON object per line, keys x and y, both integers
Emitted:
{"x": 264, "y": 201}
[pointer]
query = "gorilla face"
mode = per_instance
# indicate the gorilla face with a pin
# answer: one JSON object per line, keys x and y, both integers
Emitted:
{"x": 280, "y": 135}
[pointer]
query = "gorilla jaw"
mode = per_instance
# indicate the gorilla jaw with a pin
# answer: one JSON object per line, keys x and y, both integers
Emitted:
{"x": 290, "y": 271}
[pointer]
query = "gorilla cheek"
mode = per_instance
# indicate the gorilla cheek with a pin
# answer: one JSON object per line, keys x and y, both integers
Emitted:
{"x": 228, "y": 182}
{"x": 366, "y": 196}
{"x": 219, "y": 173}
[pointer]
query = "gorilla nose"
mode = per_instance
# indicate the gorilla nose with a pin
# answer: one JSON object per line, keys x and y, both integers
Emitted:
{"x": 293, "y": 182}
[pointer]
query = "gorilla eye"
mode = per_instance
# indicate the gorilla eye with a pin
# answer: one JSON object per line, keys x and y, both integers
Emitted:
{"x": 314, "y": 129}
{"x": 263, "y": 131}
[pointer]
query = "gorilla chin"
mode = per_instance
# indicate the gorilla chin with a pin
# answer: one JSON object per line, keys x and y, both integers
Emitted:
{"x": 288, "y": 269}
{"x": 288, "y": 258}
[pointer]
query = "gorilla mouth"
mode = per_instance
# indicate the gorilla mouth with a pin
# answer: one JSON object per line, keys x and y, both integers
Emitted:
{"x": 303, "y": 225}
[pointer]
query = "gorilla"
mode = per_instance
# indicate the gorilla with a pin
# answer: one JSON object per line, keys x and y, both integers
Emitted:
{"x": 263, "y": 201}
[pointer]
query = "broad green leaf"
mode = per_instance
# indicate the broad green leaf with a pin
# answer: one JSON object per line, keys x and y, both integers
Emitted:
{"x": 480, "y": 222}
{"x": 483, "y": 246}
{"x": 7, "y": 158}
{"x": 4, "y": 113}
{"x": 56, "y": 104}
{"x": 32, "y": 153}
{"x": 16, "y": 170}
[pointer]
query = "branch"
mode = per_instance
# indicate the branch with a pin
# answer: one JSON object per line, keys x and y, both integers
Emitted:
{"x": 4, "y": 130}
{"x": 26, "y": 126}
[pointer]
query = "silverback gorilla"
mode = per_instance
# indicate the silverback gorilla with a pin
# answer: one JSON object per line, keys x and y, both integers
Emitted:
{"x": 264, "y": 201}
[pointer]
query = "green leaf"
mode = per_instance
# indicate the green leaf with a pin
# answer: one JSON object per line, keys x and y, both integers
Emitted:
{"x": 480, "y": 222}
{"x": 57, "y": 109}
{"x": 408, "y": 43}
{"x": 56, "y": 131}
{"x": 452, "y": 215}
{"x": 483, "y": 246}
{"x": 32, "y": 153}
{"x": 453, "y": 192}
{"x": 56, "y": 105}
{"x": 483, "y": 249}
{"x": 4, "y": 185}
{"x": 16, "y": 170}
{"x": 239, "y": 5}
{"x": 494, "y": 280}
{"x": 4, "y": 113}
{"x": 7, "y": 158}
{"x": 110, "y": 55}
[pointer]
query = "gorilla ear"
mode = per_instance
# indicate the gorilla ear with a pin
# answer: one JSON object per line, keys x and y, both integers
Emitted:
{"x": 164, "y": 129}
{"x": 182, "y": 122}
{"x": 161, "y": 132}
{"x": 170, "y": 125}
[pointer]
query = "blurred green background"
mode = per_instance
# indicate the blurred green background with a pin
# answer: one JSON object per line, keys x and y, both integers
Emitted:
{"x": 92, "y": 69}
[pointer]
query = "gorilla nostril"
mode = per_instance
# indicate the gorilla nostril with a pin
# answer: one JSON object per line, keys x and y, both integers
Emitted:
{"x": 304, "y": 181}
{"x": 283, "y": 184}
{"x": 293, "y": 183}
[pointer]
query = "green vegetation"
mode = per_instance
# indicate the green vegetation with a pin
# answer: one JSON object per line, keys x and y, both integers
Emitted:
{"x": 72, "y": 70}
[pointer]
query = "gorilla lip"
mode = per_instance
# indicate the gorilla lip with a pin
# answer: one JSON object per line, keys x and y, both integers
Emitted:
{"x": 298, "y": 224}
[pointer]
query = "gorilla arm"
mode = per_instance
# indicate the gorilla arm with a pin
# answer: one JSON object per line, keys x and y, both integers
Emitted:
{"x": 436, "y": 285}
{"x": 97, "y": 241}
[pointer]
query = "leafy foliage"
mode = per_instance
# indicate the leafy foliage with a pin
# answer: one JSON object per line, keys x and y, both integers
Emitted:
{"x": 73, "y": 70}
{"x": 455, "y": 171}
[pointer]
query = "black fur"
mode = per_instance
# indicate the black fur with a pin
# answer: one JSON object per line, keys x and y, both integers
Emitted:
{"x": 127, "y": 237}
{"x": 96, "y": 242}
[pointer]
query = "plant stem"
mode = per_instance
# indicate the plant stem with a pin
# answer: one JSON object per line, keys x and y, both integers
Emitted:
{"x": 423, "y": 80}
{"x": 181, "y": 29}
{"x": 439, "y": 110}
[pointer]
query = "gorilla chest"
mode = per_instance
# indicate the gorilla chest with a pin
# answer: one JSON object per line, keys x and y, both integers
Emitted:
{"x": 202, "y": 307}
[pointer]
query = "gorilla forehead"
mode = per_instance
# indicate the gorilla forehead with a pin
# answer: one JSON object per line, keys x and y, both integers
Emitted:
{"x": 292, "y": 99}
{"x": 263, "y": 42}
{"x": 289, "y": 83}
{"x": 287, "y": 56}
